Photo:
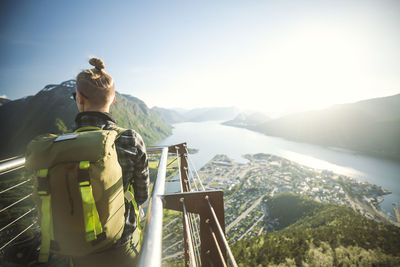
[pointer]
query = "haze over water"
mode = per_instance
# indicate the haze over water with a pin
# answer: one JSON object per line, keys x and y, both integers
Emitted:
{"x": 212, "y": 138}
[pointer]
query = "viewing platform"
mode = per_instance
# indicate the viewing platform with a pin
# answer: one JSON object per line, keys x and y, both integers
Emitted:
{"x": 202, "y": 211}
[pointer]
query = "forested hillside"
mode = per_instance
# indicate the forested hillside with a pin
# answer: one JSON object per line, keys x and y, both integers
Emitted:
{"x": 315, "y": 234}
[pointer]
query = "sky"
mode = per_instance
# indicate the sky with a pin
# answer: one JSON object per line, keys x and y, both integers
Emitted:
{"x": 271, "y": 56}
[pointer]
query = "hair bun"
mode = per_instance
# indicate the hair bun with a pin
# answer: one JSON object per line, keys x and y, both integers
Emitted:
{"x": 97, "y": 63}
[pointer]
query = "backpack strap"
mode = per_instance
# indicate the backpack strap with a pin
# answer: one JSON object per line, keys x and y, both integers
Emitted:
{"x": 114, "y": 127}
{"x": 118, "y": 129}
{"x": 93, "y": 228}
{"x": 87, "y": 128}
{"x": 46, "y": 220}
{"x": 130, "y": 197}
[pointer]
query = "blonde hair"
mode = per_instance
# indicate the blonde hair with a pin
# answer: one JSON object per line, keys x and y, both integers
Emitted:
{"x": 95, "y": 84}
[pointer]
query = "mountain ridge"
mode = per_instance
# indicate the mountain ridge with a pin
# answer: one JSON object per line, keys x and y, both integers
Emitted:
{"x": 197, "y": 115}
{"x": 53, "y": 110}
{"x": 370, "y": 127}
{"x": 248, "y": 119}
{"x": 4, "y": 101}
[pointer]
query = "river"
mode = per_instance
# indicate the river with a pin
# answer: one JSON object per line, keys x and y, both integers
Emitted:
{"x": 213, "y": 138}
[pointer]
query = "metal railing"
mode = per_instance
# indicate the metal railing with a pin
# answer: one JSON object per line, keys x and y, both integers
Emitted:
{"x": 11, "y": 165}
{"x": 208, "y": 206}
{"x": 205, "y": 244}
{"x": 7, "y": 166}
{"x": 151, "y": 248}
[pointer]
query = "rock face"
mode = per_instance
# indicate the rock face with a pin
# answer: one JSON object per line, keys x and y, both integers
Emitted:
{"x": 52, "y": 110}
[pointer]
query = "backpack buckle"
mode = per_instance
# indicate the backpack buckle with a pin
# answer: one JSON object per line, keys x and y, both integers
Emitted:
{"x": 83, "y": 173}
{"x": 83, "y": 177}
{"x": 43, "y": 185}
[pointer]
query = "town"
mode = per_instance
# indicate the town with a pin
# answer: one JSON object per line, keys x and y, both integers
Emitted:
{"x": 247, "y": 187}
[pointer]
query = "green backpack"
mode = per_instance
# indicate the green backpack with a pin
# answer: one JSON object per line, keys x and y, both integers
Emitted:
{"x": 79, "y": 191}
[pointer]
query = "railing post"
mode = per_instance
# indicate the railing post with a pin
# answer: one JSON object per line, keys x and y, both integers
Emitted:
{"x": 198, "y": 202}
{"x": 185, "y": 188}
{"x": 184, "y": 171}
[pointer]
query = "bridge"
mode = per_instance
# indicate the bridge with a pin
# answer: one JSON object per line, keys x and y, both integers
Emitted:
{"x": 202, "y": 211}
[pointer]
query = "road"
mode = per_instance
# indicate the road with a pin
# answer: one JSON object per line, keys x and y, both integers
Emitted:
{"x": 244, "y": 214}
{"x": 251, "y": 228}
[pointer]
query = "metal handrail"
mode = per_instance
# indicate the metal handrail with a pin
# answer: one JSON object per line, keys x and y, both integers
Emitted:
{"x": 11, "y": 165}
{"x": 15, "y": 163}
{"x": 152, "y": 243}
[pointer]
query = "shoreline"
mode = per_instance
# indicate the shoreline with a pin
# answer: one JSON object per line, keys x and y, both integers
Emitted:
{"x": 363, "y": 168}
{"x": 326, "y": 146}
{"x": 289, "y": 176}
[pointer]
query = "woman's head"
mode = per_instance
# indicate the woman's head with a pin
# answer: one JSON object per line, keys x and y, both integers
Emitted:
{"x": 96, "y": 86}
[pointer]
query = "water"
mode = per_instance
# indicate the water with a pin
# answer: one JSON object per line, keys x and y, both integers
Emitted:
{"x": 212, "y": 138}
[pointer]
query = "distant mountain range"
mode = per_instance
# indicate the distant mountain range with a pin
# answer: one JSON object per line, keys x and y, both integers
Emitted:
{"x": 370, "y": 126}
{"x": 248, "y": 119}
{"x": 197, "y": 115}
{"x": 52, "y": 110}
{"x": 169, "y": 115}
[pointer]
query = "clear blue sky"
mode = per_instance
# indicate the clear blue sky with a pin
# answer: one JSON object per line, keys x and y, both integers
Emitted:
{"x": 275, "y": 56}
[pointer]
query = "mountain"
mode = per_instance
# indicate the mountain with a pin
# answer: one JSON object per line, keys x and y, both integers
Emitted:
{"x": 4, "y": 101}
{"x": 371, "y": 127}
{"x": 310, "y": 233}
{"x": 211, "y": 114}
{"x": 198, "y": 114}
{"x": 169, "y": 115}
{"x": 381, "y": 109}
{"x": 248, "y": 120}
{"x": 132, "y": 112}
{"x": 52, "y": 110}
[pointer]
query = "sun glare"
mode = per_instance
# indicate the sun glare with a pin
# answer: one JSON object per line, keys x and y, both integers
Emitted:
{"x": 309, "y": 67}
{"x": 320, "y": 164}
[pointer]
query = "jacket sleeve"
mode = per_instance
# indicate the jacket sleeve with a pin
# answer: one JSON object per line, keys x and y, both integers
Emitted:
{"x": 133, "y": 160}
